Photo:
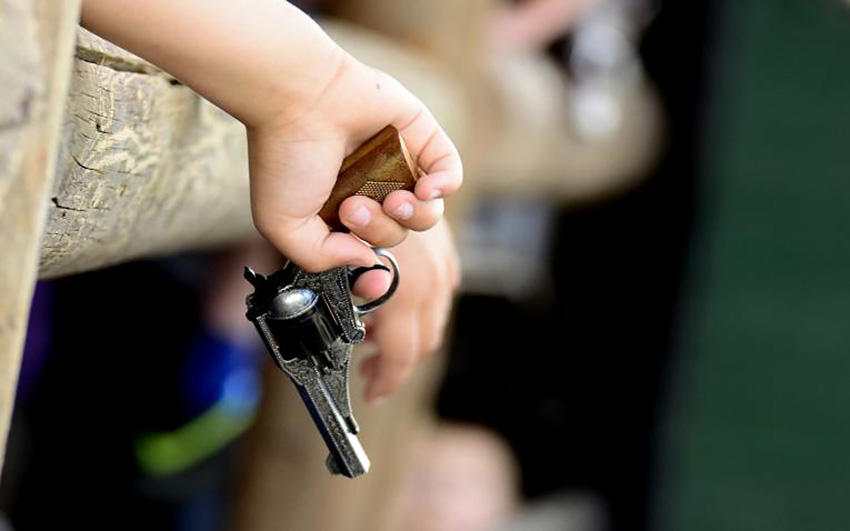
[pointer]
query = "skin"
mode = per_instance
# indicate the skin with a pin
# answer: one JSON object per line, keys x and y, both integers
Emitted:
{"x": 411, "y": 324}
{"x": 306, "y": 104}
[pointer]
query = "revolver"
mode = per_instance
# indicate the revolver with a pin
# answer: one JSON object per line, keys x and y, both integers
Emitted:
{"x": 310, "y": 323}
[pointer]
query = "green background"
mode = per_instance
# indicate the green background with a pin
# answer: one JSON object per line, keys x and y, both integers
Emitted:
{"x": 759, "y": 436}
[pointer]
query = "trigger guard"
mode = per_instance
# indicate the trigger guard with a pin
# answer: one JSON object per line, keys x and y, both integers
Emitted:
{"x": 371, "y": 306}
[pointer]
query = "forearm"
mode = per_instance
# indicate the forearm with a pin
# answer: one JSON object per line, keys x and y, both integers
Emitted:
{"x": 240, "y": 55}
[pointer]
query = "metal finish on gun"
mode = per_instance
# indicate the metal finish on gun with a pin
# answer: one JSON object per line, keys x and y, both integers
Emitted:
{"x": 309, "y": 324}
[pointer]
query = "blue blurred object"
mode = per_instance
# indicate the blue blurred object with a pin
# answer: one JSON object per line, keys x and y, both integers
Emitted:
{"x": 220, "y": 387}
{"x": 217, "y": 370}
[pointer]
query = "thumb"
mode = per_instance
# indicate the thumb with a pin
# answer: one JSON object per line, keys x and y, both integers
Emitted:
{"x": 315, "y": 248}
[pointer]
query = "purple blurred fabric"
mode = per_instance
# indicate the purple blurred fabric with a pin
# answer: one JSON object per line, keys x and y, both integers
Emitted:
{"x": 37, "y": 346}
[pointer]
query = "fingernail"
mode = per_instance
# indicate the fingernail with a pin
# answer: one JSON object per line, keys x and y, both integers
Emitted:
{"x": 435, "y": 194}
{"x": 404, "y": 211}
{"x": 360, "y": 217}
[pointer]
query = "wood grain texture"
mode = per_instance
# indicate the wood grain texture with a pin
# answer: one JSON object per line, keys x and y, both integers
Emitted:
{"x": 146, "y": 166}
{"x": 36, "y": 38}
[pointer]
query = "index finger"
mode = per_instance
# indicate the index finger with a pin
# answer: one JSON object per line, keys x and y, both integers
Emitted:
{"x": 435, "y": 154}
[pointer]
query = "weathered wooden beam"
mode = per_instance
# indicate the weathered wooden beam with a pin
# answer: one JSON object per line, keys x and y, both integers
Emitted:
{"x": 147, "y": 166}
{"x": 36, "y": 40}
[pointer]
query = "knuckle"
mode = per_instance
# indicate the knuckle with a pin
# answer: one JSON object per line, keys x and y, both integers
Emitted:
{"x": 423, "y": 224}
{"x": 386, "y": 237}
{"x": 392, "y": 236}
{"x": 427, "y": 219}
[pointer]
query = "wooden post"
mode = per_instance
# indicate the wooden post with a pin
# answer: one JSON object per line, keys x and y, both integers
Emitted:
{"x": 36, "y": 43}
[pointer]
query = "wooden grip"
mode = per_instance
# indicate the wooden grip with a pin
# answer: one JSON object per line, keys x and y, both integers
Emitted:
{"x": 380, "y": 166}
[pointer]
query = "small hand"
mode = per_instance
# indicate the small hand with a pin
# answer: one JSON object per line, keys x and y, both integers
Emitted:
{"x": 411, "y": 325}
{"x": 296, "y": 155}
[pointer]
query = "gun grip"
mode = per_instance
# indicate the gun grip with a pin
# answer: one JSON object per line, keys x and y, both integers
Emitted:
{"x": 379, "y": 166}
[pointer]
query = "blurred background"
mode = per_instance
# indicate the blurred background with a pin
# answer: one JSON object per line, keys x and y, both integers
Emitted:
{"x": 652, "y": 333}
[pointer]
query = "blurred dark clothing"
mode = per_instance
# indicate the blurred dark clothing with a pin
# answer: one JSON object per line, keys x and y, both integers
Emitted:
{"x": 113, "y": 374}
{"x": 577, "y": 387}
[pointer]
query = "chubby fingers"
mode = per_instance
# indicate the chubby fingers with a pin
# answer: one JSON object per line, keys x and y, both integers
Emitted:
{"x": 431, "y": 148}
{"x": 399, "y": 343}
{"x": 435, "y": 313}
{"x": 312, "y": 246}
{"x": 386, "y": 225}
{"x": 434, "y": 152}
{"x": 365, "y": 218}
{"x": 404, "y": 339}
{"x": 412, "y": 212}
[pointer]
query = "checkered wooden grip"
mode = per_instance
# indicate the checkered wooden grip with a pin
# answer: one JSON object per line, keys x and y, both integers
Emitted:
{"x": 380, "y": 166}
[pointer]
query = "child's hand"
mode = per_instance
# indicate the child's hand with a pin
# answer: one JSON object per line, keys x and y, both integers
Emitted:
{"x": 411, "y": 325}
{"x": 306, "y": 104}
{"x": 296, "y": 156}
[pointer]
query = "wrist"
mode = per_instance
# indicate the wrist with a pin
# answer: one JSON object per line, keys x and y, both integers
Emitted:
{"x": 290, "y": 97}
{"x": 338, "y": 103}
{"x": 300, "y": 64}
